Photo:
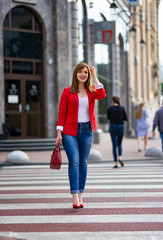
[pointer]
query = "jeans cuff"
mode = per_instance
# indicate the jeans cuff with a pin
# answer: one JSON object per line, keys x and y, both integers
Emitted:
{"x": 74, "y": 191}
{"x": 81, "y": 190}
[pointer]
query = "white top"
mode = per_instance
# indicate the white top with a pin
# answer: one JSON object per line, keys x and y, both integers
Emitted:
{"x": 83, "y": 112}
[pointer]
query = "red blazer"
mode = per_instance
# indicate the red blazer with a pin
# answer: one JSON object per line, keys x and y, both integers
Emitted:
{"x": 68, "y": 110}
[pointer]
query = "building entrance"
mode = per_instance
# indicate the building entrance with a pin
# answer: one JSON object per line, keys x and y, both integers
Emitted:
{"x": 23, "y": 106}
{"x": 23, "y": 64}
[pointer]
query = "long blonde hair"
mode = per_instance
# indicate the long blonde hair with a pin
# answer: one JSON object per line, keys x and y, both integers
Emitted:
{"x": 88, "y": 84}
{"x": 139, "y": 111}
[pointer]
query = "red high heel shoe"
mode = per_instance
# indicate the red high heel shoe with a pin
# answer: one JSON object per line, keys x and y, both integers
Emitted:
{"x": 76, "y": 206}
{"x": 81, "y": 205}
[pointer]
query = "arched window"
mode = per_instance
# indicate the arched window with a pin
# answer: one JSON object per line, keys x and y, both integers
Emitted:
{"x": 22, "y": 34}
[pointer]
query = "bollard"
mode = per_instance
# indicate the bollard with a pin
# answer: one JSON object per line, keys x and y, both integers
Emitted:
{"x": 95, "y": 156}
{"x": 17, "y": 157}
{"x": 153, "y": 152}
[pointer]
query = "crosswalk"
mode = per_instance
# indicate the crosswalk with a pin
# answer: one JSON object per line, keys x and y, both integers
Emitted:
{"x": 123, "y": 203}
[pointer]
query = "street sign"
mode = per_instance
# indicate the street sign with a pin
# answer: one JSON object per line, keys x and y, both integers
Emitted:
{"x": 105, "y": 32}
{"x": 133, "y": 3}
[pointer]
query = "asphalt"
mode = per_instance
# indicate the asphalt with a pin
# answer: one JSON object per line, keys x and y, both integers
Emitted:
{"x": 130, "y": 153}
{"x": 130, "y": 150}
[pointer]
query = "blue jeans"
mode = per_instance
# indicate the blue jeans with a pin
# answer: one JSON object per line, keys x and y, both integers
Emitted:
{"x": 117, "y": 133}
{"x": 161, "y": 135}
{"x": 77, "y": 149}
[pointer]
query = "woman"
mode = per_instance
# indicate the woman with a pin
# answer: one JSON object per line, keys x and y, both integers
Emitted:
{"x": 117, "y": 116}
{"x": 141, "y": 125}
{"x": 75, "y": 122}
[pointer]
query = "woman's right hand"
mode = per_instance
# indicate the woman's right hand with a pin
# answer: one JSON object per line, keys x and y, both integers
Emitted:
{"x": 93, "y": 71}
{"x": 59, "y": 138}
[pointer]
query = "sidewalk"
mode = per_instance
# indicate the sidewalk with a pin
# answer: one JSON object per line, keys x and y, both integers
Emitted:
{"x": 130, "y": 151}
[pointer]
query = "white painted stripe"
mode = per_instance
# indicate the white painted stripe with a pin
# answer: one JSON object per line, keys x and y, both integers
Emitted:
{"x": 106, "y": 168}
{"x": 90, "y": 165}
{"x": 123, "y": 171}
{"x": 121, "y": 180}
{"x": 29, "y": 167}
{"x": 89, "y": 181}
{"x": 93, "y": 171}
{"x": 87, "y": 205}
{"x": 87, "y": 195}
{"x": 90, "y": 176}
{"x": 126, "y": 169}
{"x": 122, "y": 235}
{"x": 127, "y": 164}
{"x": 97, "y": 172}
{"x": 147, "y": 218}
{"x": 66, "y": 187}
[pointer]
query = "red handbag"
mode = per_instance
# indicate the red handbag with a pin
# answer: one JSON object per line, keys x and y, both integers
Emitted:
{"x": 56, "y": 159}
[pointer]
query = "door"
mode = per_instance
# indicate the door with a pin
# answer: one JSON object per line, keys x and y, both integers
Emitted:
{"x": 23, "y": 104}
{"x": 23, "y": 72}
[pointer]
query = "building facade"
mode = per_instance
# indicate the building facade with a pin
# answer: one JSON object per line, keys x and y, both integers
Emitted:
{"x": 144, "y": 57}
{"x": 42, "y": 41}
{"x": 39, "y": 41}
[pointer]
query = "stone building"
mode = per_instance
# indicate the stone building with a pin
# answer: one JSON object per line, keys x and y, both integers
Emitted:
{"x": 144, "y": 57}
{"x": 133, "y": 58}
{"x": 42, "y": 41}
{"x": 38, "y": 48}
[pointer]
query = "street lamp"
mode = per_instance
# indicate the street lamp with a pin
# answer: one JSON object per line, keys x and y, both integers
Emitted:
{"x": 133, "y": 30}
{"x": 113, "y": 5}
{"x": 142, "y": 43}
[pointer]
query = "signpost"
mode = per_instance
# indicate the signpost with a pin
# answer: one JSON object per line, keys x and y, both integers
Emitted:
{"x": 105, "y": 32}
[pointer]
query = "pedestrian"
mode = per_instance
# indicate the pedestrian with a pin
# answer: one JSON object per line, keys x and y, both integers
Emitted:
{"x": 76, "y": 123}
{"x": 158, "y": 122}
{"x": 142, "y": 125}
{"x": 117, "y": 115}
